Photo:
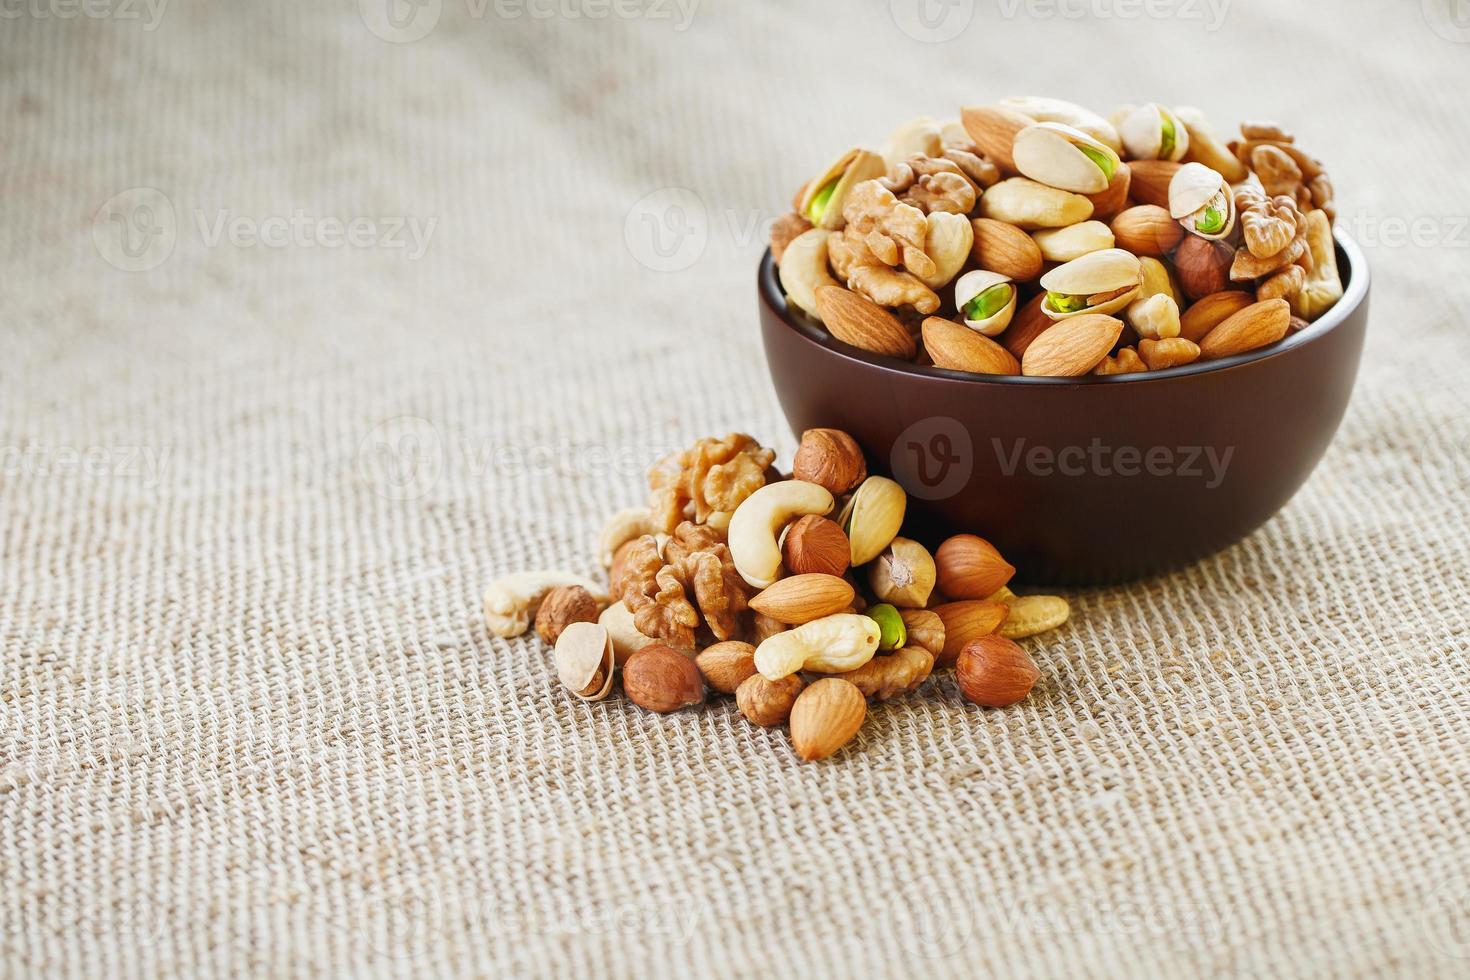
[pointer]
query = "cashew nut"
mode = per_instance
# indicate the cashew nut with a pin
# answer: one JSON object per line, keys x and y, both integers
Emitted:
{"x": 511, "y": 602}
{"x": 761, "y": 516}
{"x": 831, "y": 645}
{"x": 626, "y": 639}
{"x": 804, "y": 268}
{"x": 1154, "y": 314}
{"x": 1323, "y": 287}
{"x": 621, "y": 528}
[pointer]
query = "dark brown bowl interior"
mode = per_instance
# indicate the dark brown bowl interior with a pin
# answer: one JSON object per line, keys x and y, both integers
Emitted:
{"x": 1090, "y": 480}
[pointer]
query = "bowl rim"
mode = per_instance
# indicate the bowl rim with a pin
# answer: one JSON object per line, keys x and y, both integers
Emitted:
{"x": 1350, "y": 256}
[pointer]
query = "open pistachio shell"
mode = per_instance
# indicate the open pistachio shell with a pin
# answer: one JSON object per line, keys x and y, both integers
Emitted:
{"x": 1073, "y": 241}
{"x": 873, "y": 517}
{"x": 1152, "y": 132}
{"x": 997, "y": 301}
{"x": 803, "y": 268}
{"x": 821, "y": 202}
{"x": 948, "y": 243}
{"x": 1059, "y": 156}
{"x": 1099, "y": 282}
{"x": 1201, "y": 200}
{"x": 585, "y": 660}
{"x": 1044, "y": 109}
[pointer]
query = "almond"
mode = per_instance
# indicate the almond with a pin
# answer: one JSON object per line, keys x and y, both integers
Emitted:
{"x": 1026, "y": 326}
{"x": 1208, "y": 312}
{"x": 994, "y": 129}
{"x": 825, "y": 717}
{"x": 726, "y": 665}
{"x": 1147, "y": 230}
{"x": 1003, "y": 248}
{"x": 1114, "y": 198}
{"x": 815, "y": 544}
{"x": 803, "y": 598}
{"x": 964, "y": 621}
{"x": 1151, "y": 179}
{"x": 1255, "y": 326}
{"x": 660, "y": 678}
{"x": 1203, "y": 266}
{"x": 1169, "y": 352}
{"x": 995, "y": 672}
{"x": 958, "y": 348}
{"x": 1072, "y": 347}
{"x": 858, "y": 321}
{"x": 969, "y": 567}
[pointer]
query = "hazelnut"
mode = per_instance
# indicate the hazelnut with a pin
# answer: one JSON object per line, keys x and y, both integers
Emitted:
{"x": 1203, "y": 266}
{"x": 562, "y": 607}
{"x": 969, "y": 567}
{"x": 767, "y": 703}
{"x": 725, "y": 666}
{"x": 815, "y": 545}
{"x": 662, "y": 679}
{"x": 995, "y": 672}
{"x": 830, "y": 458}
{"x": 615, "y": 570}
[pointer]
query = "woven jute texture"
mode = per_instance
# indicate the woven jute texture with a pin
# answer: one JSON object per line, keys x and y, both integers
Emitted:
{"x": 373, "y": 318}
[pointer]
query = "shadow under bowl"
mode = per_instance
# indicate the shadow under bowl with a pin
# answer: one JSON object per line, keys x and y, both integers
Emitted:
{"x": 1083, "y": 481}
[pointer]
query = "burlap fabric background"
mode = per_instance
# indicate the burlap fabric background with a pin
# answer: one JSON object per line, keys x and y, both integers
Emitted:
{"x": 251, "y": 721}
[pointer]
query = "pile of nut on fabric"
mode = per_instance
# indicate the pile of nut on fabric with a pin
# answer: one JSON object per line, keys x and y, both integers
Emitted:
{"x": 798, "y": 596}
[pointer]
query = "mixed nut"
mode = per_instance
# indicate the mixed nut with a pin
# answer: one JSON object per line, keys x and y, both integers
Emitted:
{"x": 797, "y": 595}
{"x": 1036, "y": 237}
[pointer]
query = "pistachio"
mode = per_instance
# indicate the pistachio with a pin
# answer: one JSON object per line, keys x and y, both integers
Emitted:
{"x": 987, "y": 300}
{"x": 1152, "y": 132}
{"x": 585, "y": 660}
{"x": 1028, "y": 204}
{"x": 1060, "y": 156}
{"x": 872, "y": 517}
{"x": 892, "y": 633}
{"x": 1200, "y": 199}
{"x": 1099, "y": 282}
{"x": 821, "y": 202}
{"x": 1044, "y": 109}
{"x": 1074, "y": 241}
{"x": 948, "y": 243}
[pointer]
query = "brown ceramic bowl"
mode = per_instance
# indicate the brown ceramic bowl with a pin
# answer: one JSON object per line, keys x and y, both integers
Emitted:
{"x": 1090, "y": 480}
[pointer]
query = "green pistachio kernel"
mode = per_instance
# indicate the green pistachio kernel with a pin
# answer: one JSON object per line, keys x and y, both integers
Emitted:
{"x": 890, "y": 623}
{"x": 1210, "y": 222}
{"x": 818, "y": 207}
{"x": 988, "y": 302}
{"x": 1063, "y": 303}
{"x": 1103, "y": 161}
{"x": 1166, "y": 145}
